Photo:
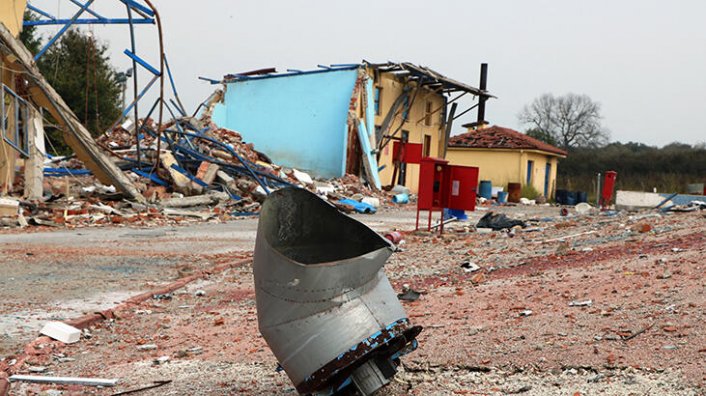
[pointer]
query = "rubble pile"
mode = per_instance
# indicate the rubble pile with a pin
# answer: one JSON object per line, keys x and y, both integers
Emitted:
{"x": 197, "y": 172}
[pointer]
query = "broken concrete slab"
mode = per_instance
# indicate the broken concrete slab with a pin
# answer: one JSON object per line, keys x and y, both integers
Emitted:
{"x": 9, "y": 207}
{"x": 61, "y": 332}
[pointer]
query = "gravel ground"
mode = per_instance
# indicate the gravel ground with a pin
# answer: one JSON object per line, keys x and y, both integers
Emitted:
{"x": 644, "y": 332}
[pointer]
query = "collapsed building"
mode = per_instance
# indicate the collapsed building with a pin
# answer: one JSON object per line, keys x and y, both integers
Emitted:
{"x": 342, "y": 119}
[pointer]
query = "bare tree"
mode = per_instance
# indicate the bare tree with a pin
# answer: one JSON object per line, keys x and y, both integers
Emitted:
{"x": 570, "y": 120}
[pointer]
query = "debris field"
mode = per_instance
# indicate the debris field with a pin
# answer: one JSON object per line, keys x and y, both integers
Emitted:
{"x": 606, "y": 303}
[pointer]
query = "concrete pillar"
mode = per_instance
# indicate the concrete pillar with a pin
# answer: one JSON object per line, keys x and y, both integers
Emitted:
{"x": 34, "y": 165}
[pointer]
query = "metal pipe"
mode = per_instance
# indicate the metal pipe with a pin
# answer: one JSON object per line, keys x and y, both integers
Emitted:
{"x": 161, "y": 78}
{"x": 134, "y": 85}
{"x": 482, "y": 86}
{"x": 324, "y": 305}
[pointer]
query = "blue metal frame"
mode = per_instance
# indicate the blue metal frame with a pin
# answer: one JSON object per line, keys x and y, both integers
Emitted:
{"x": 98, "y": 19}
{"x": 63, "y": 30}
{"x": 21, "y": 121}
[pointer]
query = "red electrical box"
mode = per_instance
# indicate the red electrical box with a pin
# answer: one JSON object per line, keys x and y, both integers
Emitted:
{"x": 408, "y": 153}
{"x": 431, "y": 192}
{"x": 461, "y": 187}
{"x": 443, "y": 186}
{"x": 608, "y": 186}
{"x": 431, "y": 195}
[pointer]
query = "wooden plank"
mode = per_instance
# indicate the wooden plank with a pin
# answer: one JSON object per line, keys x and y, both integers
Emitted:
{"x": 77, "y": 136}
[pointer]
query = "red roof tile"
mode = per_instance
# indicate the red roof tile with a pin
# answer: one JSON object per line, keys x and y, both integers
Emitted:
{"x": 496, "y": 137}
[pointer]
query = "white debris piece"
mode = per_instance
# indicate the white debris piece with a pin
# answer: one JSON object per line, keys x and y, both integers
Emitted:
{"x": 61, "y": 332}
{"x": 303, "y": 177}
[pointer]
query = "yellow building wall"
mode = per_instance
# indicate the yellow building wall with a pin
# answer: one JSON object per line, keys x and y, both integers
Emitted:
{"x": 507, "y": 166}
{"x": 539, "y": 170}
{"x": 12, "y": 13}
{"x": 500, "y": 167}
{"x": 415, "y": 125}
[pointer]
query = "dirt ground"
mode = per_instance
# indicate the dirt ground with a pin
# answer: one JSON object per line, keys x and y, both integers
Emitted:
{"x": 521, "y": 324}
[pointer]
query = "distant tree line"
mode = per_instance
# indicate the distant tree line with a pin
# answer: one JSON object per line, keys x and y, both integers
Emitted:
{"x": 573, "y": 122}
{"x": 640, "y": 167}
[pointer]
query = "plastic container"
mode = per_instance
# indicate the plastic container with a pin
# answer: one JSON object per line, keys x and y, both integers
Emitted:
{"x": 401, "y": 198}
{"x": 515, "y": 192}
{"x": 570, "y": 198}
{"x": 502, "y": 196}
{"x": 486, "y": 189}
{"x": 581, "y": 196}
{"x": 560, "y": 197}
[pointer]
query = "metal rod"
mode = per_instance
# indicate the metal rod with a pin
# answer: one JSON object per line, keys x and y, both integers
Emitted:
{"x": 466, "y": 111}
{"x": 161, "y": 79}
{"x": 135, "y": 96}
{"x": 181, "y": 107}
{"x": 64, "y": 380}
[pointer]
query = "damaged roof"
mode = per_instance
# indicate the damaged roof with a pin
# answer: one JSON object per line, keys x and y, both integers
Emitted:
{"x": 496, "y": 137}
{"x": 428, "y": 77}
{"x": 424, "y": 75}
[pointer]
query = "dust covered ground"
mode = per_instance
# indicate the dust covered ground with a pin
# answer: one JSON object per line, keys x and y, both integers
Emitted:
{"x": 521, "y": 324}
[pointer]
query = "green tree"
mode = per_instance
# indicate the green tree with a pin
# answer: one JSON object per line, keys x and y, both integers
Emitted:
{"x": 28, "y": 36}
{"x": 78, "y": 67}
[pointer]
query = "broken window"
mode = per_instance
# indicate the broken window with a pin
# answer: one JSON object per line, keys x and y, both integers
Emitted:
{"x": 427, "y": 114}
{"x": 15, "y": 116}
{"x": 427, "y": 145}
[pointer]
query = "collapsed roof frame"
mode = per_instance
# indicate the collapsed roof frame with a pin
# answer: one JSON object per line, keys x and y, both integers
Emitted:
{"x": 146, "y": 14}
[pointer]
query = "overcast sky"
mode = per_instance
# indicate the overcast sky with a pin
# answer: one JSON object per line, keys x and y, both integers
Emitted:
{"x": 644, "y": 61}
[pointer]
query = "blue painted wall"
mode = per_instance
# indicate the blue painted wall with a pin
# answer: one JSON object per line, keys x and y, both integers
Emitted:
{"x": 299, "y": 121}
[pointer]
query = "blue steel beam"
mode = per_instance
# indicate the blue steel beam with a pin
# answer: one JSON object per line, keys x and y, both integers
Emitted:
{"x": 62, "y": 30}
{"x": 181, "y": 108}
{"x": 142, "y": 93}
{"x": 40, "y": 12}
{"x": 90, "y": 21}
{"x": 142, "y": 62}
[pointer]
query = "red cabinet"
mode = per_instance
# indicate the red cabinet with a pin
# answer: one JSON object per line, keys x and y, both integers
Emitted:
{"x": 431, "y": 194}
{"x": 443, "y": 186}
{"x": 608, "y": 186}
{"x": 462, "y": 183}
{"x": 408, "y": 153}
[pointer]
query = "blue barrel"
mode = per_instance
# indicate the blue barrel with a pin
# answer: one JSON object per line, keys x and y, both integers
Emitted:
{"x": 581, "y": 196}
{"x": 502, "y": 196}
{"x": 560, "y": 197}
{"x": 459, "y": 214}
{"x": 486, "y": 189}
{"x": 570, "y": 198}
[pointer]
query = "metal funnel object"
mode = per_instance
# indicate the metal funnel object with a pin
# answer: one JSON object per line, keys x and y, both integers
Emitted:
{"x": 324, "y": 304}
